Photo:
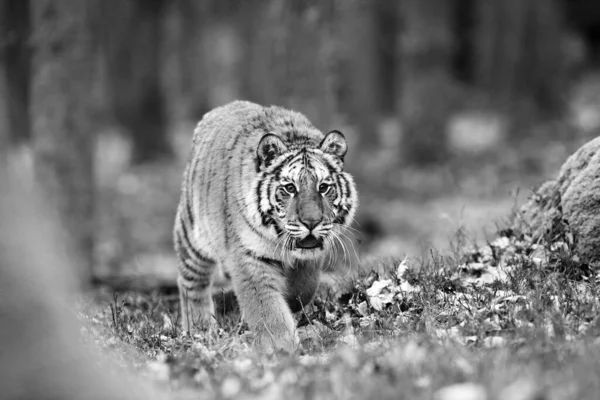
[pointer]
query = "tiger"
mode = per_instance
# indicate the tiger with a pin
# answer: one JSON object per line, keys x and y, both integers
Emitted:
{"x": 264, "y": 201}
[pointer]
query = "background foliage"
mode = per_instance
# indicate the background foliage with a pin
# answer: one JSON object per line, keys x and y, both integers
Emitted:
{"x": 450, "y": 106}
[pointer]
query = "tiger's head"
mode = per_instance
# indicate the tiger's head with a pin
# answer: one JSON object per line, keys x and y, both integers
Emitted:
{"x": 304, "y": 194}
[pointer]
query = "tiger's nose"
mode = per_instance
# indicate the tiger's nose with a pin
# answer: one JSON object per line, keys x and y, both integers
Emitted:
{"x": 311, "y": 222}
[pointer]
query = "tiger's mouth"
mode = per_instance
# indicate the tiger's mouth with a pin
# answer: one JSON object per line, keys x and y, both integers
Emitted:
{"x": 309, "y": 242}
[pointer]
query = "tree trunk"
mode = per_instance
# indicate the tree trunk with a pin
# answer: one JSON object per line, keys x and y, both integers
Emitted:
{"x": 4, "y": 124}
{"x": 519, "y": 53}
{"x": 287, "y": 57}
{"x": 193, "y": 16}
{"x": 426, "y": 83}
{"x": 4, "y": 98}
{"x": 464, "y": 29}
{"x": 131, "y": 35}
{"x": 15, "y": 55}
{"x": 357, "y": 61}
{"x": 387, "y": 21}
{"x": 60, "y": 114}
{"x": 209, "y": 53}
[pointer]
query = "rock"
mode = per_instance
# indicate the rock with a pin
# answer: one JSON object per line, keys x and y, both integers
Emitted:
{"x": 580, "y": 191}
{"x": 494, "y": 341}
{"x": 570, "y": 203}
{"x": 542, "y": 212}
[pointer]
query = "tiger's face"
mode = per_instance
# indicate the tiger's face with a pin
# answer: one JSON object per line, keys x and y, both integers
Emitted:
{"x": 304, "y": 194}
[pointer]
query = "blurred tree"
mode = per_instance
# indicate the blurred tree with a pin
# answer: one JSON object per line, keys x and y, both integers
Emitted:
{"x": 287, "y": 56}
{"x": 192, "y": 18}
{"x": 4, "y": 98}
{"x": 130, "y": 35}
{"x": 387, "y": 22}
{"x": 356, "y": 59}
{"x": 210, "y": 53}
{"x": 60, "y": 114}
{"x": 426, "y": 85}
{"x": 4, "y": 124}
{"x": 519, "y": 54}
{"x": 464, "y": 20}
{"x": 15, "y": 68}
{"x": 584, "y": 17}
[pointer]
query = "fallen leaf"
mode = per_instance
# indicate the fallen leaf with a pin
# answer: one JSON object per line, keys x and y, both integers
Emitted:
{"x": 501, "y": 242}
{"x": 378, "y": 286}
{"x": 493, "y": 341}
{"x": 381, "y": 300}
{"x": 363, "y": 309}
{"x": 402, "y": 267}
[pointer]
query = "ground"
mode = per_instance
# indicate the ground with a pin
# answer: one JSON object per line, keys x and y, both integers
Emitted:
{"x": 508, "y": 319}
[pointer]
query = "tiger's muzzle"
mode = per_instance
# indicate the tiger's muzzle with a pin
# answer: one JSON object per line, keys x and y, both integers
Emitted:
{"x": 309, "y": 242}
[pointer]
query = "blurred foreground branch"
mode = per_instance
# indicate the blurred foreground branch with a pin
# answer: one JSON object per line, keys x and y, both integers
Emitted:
{"x": 41, "y": 355}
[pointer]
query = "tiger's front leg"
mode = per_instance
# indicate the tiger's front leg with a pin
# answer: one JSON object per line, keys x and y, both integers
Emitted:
{"x": 259, "y": 286}
{"x": 302, "y": 283}
{"x": 197, "y": 306}
{"x": 196, "y": 273}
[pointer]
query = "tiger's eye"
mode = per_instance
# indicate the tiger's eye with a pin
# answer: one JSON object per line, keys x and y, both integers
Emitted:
{"x": 290, "y": 188}
{"x": 324, "y": 188}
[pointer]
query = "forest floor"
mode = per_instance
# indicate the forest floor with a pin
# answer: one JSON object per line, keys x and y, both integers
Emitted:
{"x": 508, "y": 319}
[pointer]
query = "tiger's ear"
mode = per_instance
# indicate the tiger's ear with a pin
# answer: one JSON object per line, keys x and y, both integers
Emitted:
{"x": 269, "y": 147}
{"x": 334, "y": 143}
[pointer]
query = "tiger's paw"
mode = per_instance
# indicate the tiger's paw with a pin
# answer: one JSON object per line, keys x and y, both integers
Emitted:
{"x": 277, "y": 338}
{"x": 199, "y": 318}
{"x": 204, "y": 323}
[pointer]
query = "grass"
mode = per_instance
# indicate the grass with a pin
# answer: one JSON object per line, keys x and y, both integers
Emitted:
{"x": 508, "y": 319}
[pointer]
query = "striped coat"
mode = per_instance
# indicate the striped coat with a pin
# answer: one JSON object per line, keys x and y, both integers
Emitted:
{"x": 264, "y": 199}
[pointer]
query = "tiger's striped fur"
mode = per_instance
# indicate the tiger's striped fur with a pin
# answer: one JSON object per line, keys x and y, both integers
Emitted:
{"x": 263, "y": 199}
